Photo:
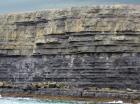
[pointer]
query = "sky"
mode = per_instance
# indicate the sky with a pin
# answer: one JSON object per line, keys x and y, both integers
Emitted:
{"x": 8, "y": 6}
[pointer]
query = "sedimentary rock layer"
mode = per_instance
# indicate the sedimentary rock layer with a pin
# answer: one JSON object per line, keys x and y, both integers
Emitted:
{"x": 91, "y": 46}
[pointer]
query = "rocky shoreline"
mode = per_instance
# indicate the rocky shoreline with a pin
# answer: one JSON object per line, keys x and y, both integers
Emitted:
{"x": 57, "y": 91}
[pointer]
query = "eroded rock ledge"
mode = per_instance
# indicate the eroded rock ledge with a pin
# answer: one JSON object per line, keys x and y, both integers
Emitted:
{"x": 83, "y": 47}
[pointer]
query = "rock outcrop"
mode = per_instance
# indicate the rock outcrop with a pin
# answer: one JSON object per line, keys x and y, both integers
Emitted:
{"x": 87, "y": 46}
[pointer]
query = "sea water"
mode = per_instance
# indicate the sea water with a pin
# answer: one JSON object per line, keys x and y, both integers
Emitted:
{"x": 19, "y": 100}
{"x": 11, "y": 100}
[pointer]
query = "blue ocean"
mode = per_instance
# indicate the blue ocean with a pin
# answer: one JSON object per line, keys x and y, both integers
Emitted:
{"x": 12, "y": 100}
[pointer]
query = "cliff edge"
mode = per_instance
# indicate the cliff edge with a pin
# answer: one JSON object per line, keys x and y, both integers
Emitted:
{"x": 86, "y": 47}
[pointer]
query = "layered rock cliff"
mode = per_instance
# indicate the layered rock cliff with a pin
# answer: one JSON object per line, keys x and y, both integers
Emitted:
{"x": 91, "y": 46}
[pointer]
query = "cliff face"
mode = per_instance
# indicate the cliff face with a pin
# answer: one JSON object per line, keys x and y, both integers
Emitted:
{"x": 97, "y": 46}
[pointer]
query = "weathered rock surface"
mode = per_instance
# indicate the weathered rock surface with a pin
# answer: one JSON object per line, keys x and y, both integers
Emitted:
{"x": 87, "y": 46}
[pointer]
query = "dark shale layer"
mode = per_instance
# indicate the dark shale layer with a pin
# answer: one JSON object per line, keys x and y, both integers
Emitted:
{"x": 78, "y": 47}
